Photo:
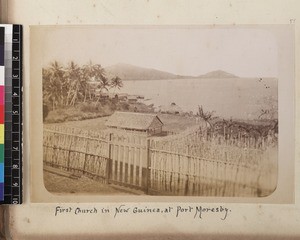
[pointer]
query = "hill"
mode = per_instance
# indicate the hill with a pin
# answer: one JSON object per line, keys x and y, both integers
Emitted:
{"x": 217, "y": 74}
{"x": 131, "y": 72}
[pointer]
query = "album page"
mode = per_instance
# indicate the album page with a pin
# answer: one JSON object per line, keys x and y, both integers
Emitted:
{"x": 158, "y": 119}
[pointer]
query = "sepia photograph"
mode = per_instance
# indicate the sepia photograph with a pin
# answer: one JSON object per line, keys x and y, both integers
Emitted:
{"x": 164, "y": 111}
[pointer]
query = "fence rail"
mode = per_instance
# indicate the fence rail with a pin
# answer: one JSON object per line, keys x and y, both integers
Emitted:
{"x": 204, "y": 164}
{"x": 76, "y": 151}
{"x": 114, "y": 158}
{"x": 194, "y": 163}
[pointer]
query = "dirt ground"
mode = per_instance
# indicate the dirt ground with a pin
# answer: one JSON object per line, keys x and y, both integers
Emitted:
{"x": 89, "y": 124}
{"x": 60, "y": 184}
{"x": 174, "y": 123}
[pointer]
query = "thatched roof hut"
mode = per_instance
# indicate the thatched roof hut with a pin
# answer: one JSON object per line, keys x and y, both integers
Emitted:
{"x": 172, "y": 109}
{"x": 131, "y": 121}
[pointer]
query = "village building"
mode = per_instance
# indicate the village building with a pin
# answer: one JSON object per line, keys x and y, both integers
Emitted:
{"x": 149, "y": 124}
{"x": 140, "y": 97}
{"x": 98, "y": 93}
{"x": 171, "y": 109}
{"x": 93, "y": 84}
{"x": 105, "y": 95}
{"x": 122, "y": 96}
{"x": 102, "y": 95}
{"x": 113, "y": 96}
{"x": 132, "y": 99}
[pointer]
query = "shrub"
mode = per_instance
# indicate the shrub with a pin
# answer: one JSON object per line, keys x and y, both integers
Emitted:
{"x": 89, "y": 107}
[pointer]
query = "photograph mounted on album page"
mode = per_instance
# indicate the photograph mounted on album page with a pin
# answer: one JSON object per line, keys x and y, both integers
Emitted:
{"x": 162, "y": 114}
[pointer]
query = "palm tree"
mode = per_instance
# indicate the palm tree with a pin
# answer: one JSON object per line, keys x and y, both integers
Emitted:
{"x": 70, "y": 85}
{"x": 206, "y": 116}
{"x": 116, "y": 82}
{"x": 52, "y": 94}
{"x": 100, "y": 77}
{"x": 89, "y": 69}
{"x": 56, "y": 69}
{"x": 99, "y": 73}
{"x": 53, "y": 84}
{"x": 75, "y": 83}
{"x": 105, "y": 84}
{"x": 88, "y": 74}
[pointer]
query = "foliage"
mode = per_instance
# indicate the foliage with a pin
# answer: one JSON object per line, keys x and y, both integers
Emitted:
{"x": 116, "y": 82}
{"x": 269, "y": 108}
{"x": 205, "y": 115}
{"x": 73, "y": 84}
{"x": 85, "y": 110}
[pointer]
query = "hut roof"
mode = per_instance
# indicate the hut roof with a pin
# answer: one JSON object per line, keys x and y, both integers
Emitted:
{"x": 172, "y": 108}
{"x": 130, "y": 120}
{"x": 132, "y": 97}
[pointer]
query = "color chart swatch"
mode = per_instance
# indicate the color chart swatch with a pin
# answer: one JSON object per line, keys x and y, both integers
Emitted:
{"x": 11, "y": 114}
{"x": 2, "y": 94}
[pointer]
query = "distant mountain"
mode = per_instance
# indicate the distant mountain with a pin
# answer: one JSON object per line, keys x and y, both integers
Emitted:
{"x": 131, "y": 72}
{"x": 217, "y": 74}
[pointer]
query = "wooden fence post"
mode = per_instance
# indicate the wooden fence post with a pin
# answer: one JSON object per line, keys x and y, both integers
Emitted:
{"x": 148, "y": 170}
{"x": 69, "y": 154}
{"x": 109, "y": 160}
{"x": 186, "y": 188}
{"x": 85, "y": 156}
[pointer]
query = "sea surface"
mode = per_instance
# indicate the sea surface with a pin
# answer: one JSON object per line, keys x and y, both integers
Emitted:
{"x": 241, "y": 98}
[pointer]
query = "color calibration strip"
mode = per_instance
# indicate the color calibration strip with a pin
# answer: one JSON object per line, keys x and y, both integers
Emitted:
{"x": 16, "y": 113}
{"x": 2, "y": 94}
{"x": 7, "y": 119}
{"x": 13, "y": 115}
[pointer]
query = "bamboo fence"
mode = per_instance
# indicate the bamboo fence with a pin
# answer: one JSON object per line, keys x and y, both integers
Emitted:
{"x": 194, "y": 163}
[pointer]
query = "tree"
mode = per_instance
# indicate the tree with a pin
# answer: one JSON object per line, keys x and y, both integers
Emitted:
{"x": 100, "y": 77}
{"x": 53, "y": 84}
{"x": 75, "y": 82}
{"x": 206, "y": 116}
{"x": 104, "y": 84}
{"x": 88, "y": 74}
{"x": 269, "y": 108}
{"x": 116, "y": 82}
{"x": 99, "y": 73}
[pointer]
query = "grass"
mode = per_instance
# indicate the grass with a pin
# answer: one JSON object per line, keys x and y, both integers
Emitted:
{"x": 88, "y": 124}
{"x": 87, "y": 110}
{"x": 176, "y": 123}
{"x": 59, "y": 184}
{"x": 173, "y": 123}
{"x": 246, "y": 163}
{"x": 93, "y": 115}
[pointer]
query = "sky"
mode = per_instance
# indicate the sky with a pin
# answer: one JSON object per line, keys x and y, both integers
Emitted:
{"x": 245, "y": 52}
